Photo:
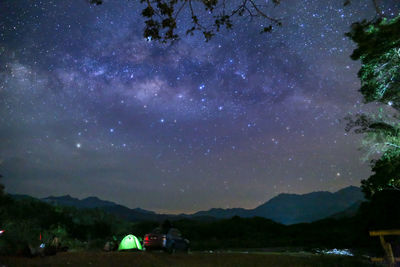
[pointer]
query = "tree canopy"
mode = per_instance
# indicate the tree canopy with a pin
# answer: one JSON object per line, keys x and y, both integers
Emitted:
{"x": 378, "y": 48}
{"x": 385, "y": 176}
{"x": 161, "y": 16}
{"x": 205, "y": 16}
{"x": 379, "y": 51}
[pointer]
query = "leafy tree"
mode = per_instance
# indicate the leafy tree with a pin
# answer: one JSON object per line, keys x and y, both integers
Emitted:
{"x": 206, "y": 16}
{"x": 381, "y": 212}
{"x": 379, "y": 51}
{"x": 378, "y": 48}
{"x": 385, "y": 177}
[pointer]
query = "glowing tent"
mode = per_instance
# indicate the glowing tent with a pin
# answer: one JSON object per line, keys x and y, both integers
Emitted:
{"x": 130, "y": 242}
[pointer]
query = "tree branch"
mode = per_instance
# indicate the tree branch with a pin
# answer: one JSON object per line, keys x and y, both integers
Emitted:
{"x": 377, "y": 8}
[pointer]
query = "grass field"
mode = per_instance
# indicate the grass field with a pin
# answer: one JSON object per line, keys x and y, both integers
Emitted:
{"x": 193, "y": 259}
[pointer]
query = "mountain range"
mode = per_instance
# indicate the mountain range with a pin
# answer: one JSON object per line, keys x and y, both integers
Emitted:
{"x": 284, "y": 208}
{"x": 294, "y": 208}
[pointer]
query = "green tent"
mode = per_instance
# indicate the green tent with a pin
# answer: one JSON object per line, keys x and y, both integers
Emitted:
{"x": 130, "y": 242}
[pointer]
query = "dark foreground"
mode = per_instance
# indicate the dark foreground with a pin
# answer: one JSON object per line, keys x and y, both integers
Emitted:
{"x": 192, "y": 259}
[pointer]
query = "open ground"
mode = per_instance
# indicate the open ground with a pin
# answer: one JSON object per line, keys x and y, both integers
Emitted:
{"x": 97, "y": 258}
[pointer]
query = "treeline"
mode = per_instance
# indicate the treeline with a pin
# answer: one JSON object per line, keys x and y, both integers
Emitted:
{"x": 263, "y": 233}
{"x": 382, "y": 212}
{"x": 26, "y": 220}
{"x": 31, "y": 221}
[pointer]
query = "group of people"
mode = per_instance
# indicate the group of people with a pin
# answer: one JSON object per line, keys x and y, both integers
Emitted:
{"x": 45, "y": 248}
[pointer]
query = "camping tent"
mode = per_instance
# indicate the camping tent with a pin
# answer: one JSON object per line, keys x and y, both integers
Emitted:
{"x": 130, "y": 242}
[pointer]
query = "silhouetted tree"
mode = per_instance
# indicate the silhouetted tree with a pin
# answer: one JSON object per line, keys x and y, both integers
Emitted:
{"x": 378, "y": 48}
{"x": 206, "y": 16}
{"x": 382, "y": 211}
{"x": 384, "y": 177}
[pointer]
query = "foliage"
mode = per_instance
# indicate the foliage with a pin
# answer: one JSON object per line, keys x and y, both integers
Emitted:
{"x": 379, "y": 51}
{"x": 378, "y": 48}
{"x": 259, "y": 232}
{"x": 382, "y": 211}
{"x": 27, "y": 219}
{"x": 206, "y": 16}
{"x": 385, "y": 177}
{"x": 381, "y": 137}
{"x": 381, "y": 133}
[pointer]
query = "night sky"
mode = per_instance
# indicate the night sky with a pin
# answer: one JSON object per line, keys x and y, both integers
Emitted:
{"x": 88, "y": 107}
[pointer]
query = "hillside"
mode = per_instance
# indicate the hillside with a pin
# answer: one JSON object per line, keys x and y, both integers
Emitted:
{"x": 294, "y": 208}
{"x": 284, "y": 208}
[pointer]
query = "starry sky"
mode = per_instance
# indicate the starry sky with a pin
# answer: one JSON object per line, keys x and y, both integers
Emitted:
{"x": 88, "y": 107}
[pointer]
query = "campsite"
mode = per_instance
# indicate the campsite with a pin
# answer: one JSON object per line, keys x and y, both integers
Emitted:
{"x": 200, "y": 133}
{"x": 91, "y": 236}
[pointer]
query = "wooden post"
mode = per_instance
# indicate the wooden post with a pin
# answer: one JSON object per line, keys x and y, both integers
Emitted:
{"x": 386, "y": 246}
{"x": 388, "y": 251}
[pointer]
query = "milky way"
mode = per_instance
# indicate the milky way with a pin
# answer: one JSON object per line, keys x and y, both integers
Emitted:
{"x": 89, "y": 107}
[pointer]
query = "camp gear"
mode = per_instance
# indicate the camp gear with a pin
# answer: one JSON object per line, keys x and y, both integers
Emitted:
{"x": 130, "y": 242}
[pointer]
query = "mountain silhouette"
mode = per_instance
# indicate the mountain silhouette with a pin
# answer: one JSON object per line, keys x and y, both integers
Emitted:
{"x": 294, "y": 208}
{"x": 284, "y": 208}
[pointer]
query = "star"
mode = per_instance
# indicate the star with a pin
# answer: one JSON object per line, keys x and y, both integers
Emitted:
{"x": 259, "y": 112}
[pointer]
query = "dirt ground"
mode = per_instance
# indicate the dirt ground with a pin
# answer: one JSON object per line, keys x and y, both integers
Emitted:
{"x": 193, "y": 259}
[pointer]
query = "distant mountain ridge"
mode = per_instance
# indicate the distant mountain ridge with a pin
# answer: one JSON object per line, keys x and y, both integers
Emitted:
{"x": 136, "y": 214}
{"x": 86, "y": 203}
{"x": 284, "y": 208}
{"x": 294, "y": 208}
{"x": 291, "y": 208}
